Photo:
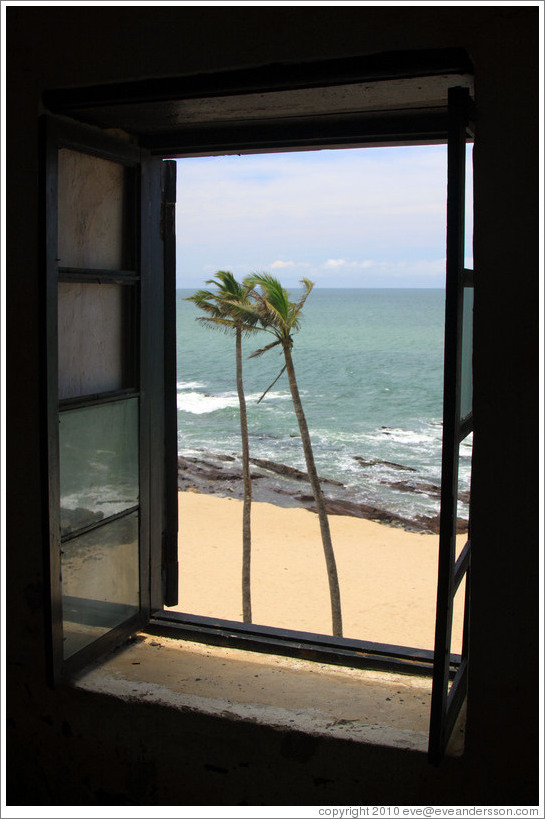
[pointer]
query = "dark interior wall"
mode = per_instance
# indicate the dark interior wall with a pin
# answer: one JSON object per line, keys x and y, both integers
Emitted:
{"x": 70, "y": 748}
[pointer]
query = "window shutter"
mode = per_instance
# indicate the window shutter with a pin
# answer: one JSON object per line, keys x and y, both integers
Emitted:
{"x": 102, "y": 253}
{"x": 450, "y": 673}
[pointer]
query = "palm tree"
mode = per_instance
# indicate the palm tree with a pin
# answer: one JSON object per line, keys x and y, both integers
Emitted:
{"x": 282, "y": 317}
{"x": 223, "y": 313}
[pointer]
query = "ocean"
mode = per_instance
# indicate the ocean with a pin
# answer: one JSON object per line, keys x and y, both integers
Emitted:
{"x": 369, "y": 365}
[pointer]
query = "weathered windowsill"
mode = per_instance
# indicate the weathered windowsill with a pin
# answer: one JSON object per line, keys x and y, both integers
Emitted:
{"x": 321, "y": 700}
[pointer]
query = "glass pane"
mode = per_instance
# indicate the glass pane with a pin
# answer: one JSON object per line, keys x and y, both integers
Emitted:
{"x": 466, "y": 388}
{"x": 93, "y": 336}
{"x": 100, "y": 573}
{"x": 98, "y": 462}
{"x": 92, "y": 202}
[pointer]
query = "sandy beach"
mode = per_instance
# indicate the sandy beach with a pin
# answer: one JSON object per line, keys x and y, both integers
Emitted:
{"x": 387, "y": 576}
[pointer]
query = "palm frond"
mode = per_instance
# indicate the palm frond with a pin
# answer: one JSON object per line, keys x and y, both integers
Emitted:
{"x": 271, "y": 385}
{"x": 272, "y": 291}
{"x": 275, "y": 304}
{"x": 201, "y": 297}
{"x": 223, "y": 324}
{"x": 260, "y": 303}
{"x": 246, "y": 310}
{"x": 227, "y": 284}
{"x": 228, "y": 304}
{"x": 241, "y": 311}
{"x": 212, "y": 309}
{"x": 260, "y": 352}
{"x": 271, "y": 302}
{"x": 308, "y": 285}
{"x": 272, "y": 317}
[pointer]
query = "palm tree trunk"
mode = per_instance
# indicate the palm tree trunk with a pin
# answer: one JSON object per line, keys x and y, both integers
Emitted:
{"x": 246, "y": 509}
{"x": 318, "y": 496}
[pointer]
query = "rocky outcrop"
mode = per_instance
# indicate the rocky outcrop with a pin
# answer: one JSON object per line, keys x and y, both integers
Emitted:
{"x": 278, "y": 483}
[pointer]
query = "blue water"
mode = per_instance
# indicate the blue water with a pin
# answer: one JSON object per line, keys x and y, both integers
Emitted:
{"x": 369, "y": 365}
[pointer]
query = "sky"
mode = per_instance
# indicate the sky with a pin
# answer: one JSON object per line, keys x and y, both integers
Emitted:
{"x": 365, "y": 217}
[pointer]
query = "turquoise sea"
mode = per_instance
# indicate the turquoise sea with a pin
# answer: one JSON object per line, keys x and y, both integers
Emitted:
{"x": 369, "y": 365}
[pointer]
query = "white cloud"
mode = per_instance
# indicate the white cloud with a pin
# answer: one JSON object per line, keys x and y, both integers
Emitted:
{"x": 337, "y": 210}
{"x": 280, "y": 264}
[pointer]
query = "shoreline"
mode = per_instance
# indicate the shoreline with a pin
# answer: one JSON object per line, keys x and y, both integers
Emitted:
{"x": 220, "y": 475}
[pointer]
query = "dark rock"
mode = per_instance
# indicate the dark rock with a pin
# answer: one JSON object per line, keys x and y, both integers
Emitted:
{"x": 289, "y": 471}
{"x": 206, "y": 469}
{"x": 345, "y": 507}
{"x": 213, "y": 474}
{"x": 419, "y": 488}
{"x": 184, "y": 462}
{"x": 432, "y": 489}
{"x": 366, "y": 462}
{"x": 432, "y": 524}
{"x": 336, "y": 506}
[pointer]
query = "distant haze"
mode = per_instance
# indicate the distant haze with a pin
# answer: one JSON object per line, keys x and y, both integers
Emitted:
{"x": 366, "y": 217}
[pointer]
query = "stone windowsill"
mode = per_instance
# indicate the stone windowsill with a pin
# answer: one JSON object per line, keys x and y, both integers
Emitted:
{"x": 321, "y": 700}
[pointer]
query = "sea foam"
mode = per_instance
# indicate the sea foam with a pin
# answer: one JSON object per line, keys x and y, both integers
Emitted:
{"x": 200, "y": 403}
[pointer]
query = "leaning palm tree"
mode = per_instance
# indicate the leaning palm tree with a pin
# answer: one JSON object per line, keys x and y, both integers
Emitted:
{"x": 282, "y": 317}
{"x": 222, "y": 307}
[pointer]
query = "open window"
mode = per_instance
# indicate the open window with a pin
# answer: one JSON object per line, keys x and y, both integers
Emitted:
{"x": 111, "y": 379}
{"x": 105, "y": 390}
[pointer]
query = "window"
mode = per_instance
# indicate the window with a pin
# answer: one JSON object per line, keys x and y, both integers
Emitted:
{"x": 109, "y": 261}
{"x": 369, "y": 364}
